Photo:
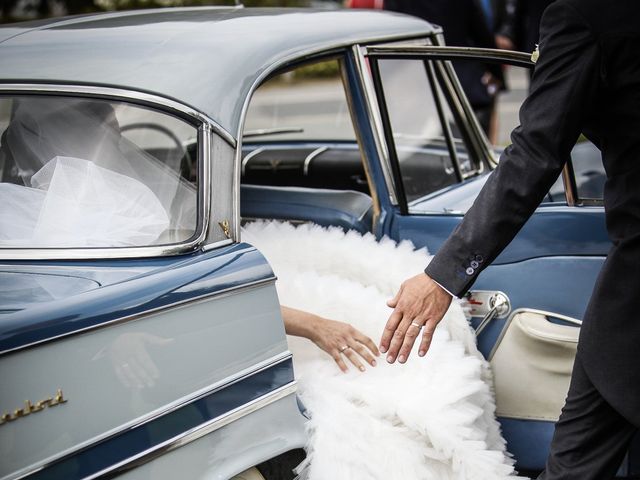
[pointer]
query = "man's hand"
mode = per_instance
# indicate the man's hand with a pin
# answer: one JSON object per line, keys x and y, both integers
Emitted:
{"x": 419, "y": 303}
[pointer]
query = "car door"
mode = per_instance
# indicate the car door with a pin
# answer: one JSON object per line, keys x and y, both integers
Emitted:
{"x": 541, "y": 283}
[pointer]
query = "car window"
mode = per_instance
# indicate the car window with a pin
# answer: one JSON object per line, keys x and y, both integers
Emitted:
{"x": 79, "y": 172}
{"x": 305, "y": 103}
{"x": 424, "y": 130}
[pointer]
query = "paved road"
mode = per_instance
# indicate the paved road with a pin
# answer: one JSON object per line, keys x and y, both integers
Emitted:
{"x": 509, "y": 102}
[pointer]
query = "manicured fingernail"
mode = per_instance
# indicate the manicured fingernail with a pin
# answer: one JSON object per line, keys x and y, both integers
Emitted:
{"x": 390, "y": 358}
{"x": 422, "y": 353}
{"x": 362, "y": 369}
{"x": 382, "y": 349}
{"x": 373, "y": 363}
{"x": 401, "y": 358}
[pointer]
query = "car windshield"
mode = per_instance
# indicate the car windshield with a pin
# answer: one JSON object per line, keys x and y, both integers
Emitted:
{"x": 78, "y": 172}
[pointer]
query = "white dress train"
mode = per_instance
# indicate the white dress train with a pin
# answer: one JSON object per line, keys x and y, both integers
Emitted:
{"x": 431, "y": 418}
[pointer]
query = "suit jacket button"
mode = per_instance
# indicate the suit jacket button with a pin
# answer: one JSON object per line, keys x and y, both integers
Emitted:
{"x": 479, "y": 259}
{"x": 474, "y": 264}
{"x": 469, "y": 271}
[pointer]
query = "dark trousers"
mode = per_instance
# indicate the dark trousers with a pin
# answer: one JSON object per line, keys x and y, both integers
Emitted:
{"x": 591, "y": 438}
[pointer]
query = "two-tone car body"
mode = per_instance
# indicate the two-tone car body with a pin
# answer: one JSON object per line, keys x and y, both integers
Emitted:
{"x": 167, "y": 357}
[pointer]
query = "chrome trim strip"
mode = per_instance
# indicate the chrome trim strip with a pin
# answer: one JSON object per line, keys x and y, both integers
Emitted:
{"x": 448, "y": 53}
{"x": 310, "y": 157}
{"x": 182, "y": 304}
{"x": 443, "y": 53}
{"x": 204, "y": 152}
{"x": 205, "y": 127}
{"x": 220, "y": 243}
{"x": 364, "y": 158}
{"x": 565, "y": 318}
{"x": 132, "y": 96}
{"x": 249, "y": 156}
{"x": 375, "y": 120}
{"x": 476, "y": 134}
{"x": 149, "y": 417}
{"x": 197, "y": 432}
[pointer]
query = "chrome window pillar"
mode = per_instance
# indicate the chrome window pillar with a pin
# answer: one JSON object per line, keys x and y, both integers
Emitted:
{"x": 373, "y": 111}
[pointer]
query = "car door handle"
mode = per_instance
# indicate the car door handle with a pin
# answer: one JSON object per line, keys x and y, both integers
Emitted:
{"x": 488, "y": 305}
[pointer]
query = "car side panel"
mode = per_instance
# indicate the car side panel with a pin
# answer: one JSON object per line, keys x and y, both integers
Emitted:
{"x": 262, "y": 435}
{"x": 133, "y": 369}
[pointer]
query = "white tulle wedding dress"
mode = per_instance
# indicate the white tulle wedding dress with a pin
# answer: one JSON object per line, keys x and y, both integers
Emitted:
{"x": 431, "y": 418}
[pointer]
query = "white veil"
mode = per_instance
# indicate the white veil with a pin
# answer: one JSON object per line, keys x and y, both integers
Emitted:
{"x": 76, "y": 181}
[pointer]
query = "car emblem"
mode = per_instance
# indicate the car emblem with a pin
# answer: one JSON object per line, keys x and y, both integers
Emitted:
{"x": 30, "y": 408}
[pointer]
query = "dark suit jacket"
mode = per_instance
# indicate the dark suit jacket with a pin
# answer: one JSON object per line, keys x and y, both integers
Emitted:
{"x": 587, "y": 79}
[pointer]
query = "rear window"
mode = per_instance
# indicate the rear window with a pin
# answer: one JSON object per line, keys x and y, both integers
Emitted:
{"x": 78, "y": 172}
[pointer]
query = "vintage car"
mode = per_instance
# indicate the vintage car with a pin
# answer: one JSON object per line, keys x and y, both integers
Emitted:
{"x": 159, "y": 352}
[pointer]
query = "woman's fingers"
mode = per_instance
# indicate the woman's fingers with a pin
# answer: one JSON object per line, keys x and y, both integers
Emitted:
{"x": 351, "y": 354}
{"x": 363, "y": 352}
{"x": 367, "y": 342}
{"x": 338, "y": 359}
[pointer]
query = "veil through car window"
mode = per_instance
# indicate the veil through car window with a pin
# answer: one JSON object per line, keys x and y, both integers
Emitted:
{"x": 71, "y": 179}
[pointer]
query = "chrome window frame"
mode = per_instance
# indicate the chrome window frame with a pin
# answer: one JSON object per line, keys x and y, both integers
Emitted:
{"x": 205, "y": 126}
{"x": 441, "y": 57}
{"x": 340, "y": 48}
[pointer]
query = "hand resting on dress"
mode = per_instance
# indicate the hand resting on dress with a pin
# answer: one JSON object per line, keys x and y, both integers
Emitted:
{"x": 419, "y": 303}
{"x": 335, "y": 338}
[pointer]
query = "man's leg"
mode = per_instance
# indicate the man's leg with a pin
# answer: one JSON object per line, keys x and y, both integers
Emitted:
{"x": 590, "y": 438}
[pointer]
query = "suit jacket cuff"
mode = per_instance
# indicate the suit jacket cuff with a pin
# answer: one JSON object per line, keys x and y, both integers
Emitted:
{"x": 455, "y": 273}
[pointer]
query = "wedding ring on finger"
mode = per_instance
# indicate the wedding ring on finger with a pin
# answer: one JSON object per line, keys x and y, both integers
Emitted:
{"x": 346, "y": 347}
{"x": 414, "y": 324}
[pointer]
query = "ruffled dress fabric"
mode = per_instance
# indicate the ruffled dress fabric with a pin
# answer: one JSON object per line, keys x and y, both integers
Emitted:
{"x": 431, "y": 418}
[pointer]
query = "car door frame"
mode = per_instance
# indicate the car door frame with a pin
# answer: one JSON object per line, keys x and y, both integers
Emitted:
{"x": 575, "y": 262}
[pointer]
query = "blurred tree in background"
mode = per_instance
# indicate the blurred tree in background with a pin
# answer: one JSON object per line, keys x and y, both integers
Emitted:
{"x": 15, "y": 10}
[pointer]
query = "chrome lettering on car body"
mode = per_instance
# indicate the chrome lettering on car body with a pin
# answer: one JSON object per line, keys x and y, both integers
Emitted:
{"x": 30, "y": 407}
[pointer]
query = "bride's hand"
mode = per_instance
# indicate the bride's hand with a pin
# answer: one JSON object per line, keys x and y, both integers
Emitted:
{"x": 335, "y": 338}
{"x": 339, "y": 338}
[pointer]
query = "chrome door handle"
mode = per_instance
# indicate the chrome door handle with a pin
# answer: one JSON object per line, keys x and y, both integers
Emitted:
{"x": 488, "y": 305}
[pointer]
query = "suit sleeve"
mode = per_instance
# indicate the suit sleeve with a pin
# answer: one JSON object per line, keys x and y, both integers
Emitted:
{"x": 563, "y": 89}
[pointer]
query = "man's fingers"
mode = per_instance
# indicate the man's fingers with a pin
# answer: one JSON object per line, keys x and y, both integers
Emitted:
{"x": 389, "y": 330}
{"x": 427, "y": 336}
{"x": 409, "y": 339}
{"x": 397, "y": 340}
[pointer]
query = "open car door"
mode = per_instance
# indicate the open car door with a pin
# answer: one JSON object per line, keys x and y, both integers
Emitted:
{"x": 528, "y": 305}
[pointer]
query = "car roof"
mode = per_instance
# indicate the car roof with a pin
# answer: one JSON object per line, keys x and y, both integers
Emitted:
{"x": 205, "y": 57}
